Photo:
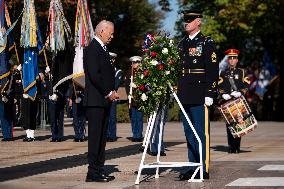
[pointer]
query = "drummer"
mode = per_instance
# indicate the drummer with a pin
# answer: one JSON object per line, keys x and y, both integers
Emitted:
{"x": 233, "y": 82}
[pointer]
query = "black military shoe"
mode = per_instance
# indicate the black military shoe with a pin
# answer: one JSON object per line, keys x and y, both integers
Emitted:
{"x": 76, "y": 140}
{"x": 31, "y": 139}
{"x": 25, "y": 139}
{"x": 96, "y": 178}
{"x": 238, "y": 151}
{"x": 187, "y": 175}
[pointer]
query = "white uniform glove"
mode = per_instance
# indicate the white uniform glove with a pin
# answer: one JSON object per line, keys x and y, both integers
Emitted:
{"x": 208, "y": 101}
{"x": 78, "y": 100}
{"x": 25, "y": 96}
{"x": 47, "y": 69}
{"x": 19, "y": 67}
{"x": 236, "y": 94}
{"x": 226, "y": 96}
{"x": 4, "y": 99}
{"x": 53, "y": 97}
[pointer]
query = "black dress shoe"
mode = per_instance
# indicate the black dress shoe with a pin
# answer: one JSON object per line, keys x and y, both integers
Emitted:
{"x": 76, "y": 140}
{"x": 111, "y": 139}
{"x": 163, "y": 154}
{"x": 238, "y": 151}
{"x": 81, "y": 140}
{"x": 187, "y": 175}
{"x": 59, "y": 140}
{"x": 31, "y": 139}
{"x": 139, "y": 140}
{"x": 96, "y": 178}
{"x": 109, "y": 177}
{"x": 25, "y": 139}
{"x": 134, "y": 139}
{"x": 53, "y": 140}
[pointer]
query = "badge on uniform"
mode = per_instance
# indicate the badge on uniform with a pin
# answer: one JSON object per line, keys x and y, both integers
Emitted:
{"x": 214, "y": 57}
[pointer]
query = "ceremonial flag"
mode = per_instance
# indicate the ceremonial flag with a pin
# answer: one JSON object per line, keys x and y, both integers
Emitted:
{"x": 5, "y": 45}
{"x": 84, "y": 33}
{"x": 32, "y": 42}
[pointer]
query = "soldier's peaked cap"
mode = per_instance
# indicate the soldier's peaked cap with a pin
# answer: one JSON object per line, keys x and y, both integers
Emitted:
{"x": 190, "y": 15}
{"x": 232, "y": 52}
{"x": 135, "y": 59}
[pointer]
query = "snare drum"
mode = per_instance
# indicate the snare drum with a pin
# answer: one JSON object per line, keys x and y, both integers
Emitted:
{"x": 238, "y": 116}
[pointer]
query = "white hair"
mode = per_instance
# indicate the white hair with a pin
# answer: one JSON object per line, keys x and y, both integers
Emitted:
{"x": 103, "y": 25}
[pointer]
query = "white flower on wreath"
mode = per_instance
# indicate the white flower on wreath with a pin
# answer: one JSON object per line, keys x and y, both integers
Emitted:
{"x": 171, "y": 43}
{"x": 154, "y": 62}
{"x": 141, "y": 76}
{"x": 168, "y": 72}
{"x": 133, "y": 85}
{"x": 144, "y": 97}
{"x": 165, "y": 51}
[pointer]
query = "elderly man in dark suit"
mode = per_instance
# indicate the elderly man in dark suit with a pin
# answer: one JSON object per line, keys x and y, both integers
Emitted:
{"x": 99, "y": 93}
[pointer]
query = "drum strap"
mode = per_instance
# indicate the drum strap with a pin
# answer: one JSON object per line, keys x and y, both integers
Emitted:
{"x": 233, "y": 84}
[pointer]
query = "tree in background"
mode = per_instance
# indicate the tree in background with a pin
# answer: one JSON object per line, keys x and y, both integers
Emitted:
{"x": 252, "y": 26}
{"x": 133, "y": 19}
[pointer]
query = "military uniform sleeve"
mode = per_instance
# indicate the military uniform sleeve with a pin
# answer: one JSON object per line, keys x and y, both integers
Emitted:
{"x": 211, "y": 68}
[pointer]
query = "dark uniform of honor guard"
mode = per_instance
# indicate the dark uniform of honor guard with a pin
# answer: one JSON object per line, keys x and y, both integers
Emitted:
{"x": 99, "y": 94}
{"x": 111, "y": 133}
{"x": 6, "y": 109}
{"x": 75, "y": 100}
{"x": 233, "y": 82}
{"x": 197, "y": 88}
{"x": 136, "y": 116}
{"x": 61, "y": 67}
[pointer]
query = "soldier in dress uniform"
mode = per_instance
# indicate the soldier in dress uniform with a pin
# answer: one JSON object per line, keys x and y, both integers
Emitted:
{"x": 136, "y": 116}
{"x": 75, "y": 100}
{"x": 197, "y": 88}
{"x": 111, "y": 133}
{"x": 6, "y": 109}
{"x": 233, "y": 82}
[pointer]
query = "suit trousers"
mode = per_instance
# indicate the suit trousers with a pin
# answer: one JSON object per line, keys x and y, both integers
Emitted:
{"x": 98, "y": 118}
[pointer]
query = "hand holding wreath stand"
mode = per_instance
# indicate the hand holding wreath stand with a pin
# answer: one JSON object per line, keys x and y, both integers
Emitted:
{"x": 158, "y": 163}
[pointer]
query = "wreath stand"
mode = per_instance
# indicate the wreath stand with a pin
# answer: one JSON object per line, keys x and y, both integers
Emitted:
{"x": 158, "y": 163}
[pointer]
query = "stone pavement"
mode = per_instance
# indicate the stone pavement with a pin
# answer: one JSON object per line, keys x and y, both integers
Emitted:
{"x": 46, "y": 165}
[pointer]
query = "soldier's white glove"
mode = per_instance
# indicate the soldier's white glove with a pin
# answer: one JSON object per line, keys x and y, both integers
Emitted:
{"x": 25, "y": 96}
{"x": 208, "y": 101}
{"x": 226, "y": 96}
{"x": 47, "y": 69}
{"x": 78, "y": 100}
{"x": 236, "y": 94}
{"x": 4, "y": 99}
{"x": 19, "y": 67}
{"x": 53, "y": 97}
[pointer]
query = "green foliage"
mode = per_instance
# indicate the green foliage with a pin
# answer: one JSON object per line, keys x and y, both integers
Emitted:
{"x": 160, "y": 67}
{"x": 239, "y": 23}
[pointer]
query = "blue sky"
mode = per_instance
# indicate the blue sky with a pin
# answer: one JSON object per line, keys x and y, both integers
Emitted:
{"x": 170, "y": 18}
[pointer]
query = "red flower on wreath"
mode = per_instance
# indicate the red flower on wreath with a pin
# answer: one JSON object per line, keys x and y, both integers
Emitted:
{"x": 153, "y": 54}
{"x": 160, "y": 67}
{"x": 146, "y": 73}
{"x": 141, "y": 87}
